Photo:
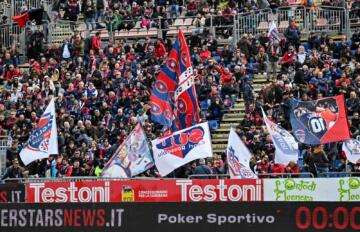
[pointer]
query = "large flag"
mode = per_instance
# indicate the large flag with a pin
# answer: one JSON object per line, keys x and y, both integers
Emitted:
{"x": 321, "y": 121}
{"x": 273, "y": 32}
{"x": 174, "y": 101}
{"x": 131, "y": 158}
{"x": 286, "y": 148}
{"x": 238, "y": 158}
{"x": 182, "y": 147}
{"x": 43, "y": 140}
{"x": 351, "y": 148}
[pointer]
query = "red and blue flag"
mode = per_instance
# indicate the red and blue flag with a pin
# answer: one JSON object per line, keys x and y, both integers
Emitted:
{"x": 174, "y": 102}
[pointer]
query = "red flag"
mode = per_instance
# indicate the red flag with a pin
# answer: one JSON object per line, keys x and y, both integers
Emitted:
{"x": 21, "y": 19}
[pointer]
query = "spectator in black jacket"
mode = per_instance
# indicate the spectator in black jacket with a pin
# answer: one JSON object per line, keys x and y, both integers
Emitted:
{"x": 14, "y": 171}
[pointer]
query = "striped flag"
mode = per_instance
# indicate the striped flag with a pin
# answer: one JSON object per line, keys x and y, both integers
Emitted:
{"x": 174, "y": 103}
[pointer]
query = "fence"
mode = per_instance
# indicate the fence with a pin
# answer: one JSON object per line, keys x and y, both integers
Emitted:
{"x": 4, "y": 144}
{"x": 20, "y": 5}
{"x": 11, "y": 35}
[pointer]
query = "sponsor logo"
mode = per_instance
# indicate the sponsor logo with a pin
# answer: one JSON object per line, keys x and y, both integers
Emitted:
{"x": 181, "y": 144}
{"x": 300, "y": 135}
{"x": 220, "y": 191}
{"x": 294, "y": 190}
{"x": 349, "y": 189}
{"x": 39, "y": 140}
{"x": 72, "y": 193}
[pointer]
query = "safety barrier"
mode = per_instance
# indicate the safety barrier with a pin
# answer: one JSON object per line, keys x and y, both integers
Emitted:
{"x": 5, "y": 9}
{"x": 333, "y": 20}
{"x": 10, "y": 35}
{"x": 5, "y": 142}
{"x": 19, "y": 6}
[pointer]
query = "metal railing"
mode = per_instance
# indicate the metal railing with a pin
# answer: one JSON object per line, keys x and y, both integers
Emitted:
{"x": 286, "y": 175}
{"x": 195, "y": 176}
{"x": 18, "y": 6}
{"x": 11, "y": 35}
{"x": 338, "y": 174}
{"x": 5, "y": 143}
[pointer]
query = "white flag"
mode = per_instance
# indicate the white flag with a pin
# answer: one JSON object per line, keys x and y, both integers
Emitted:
{"x": 273, "y": 32}
{"x": 182, "y": 147}
{"x": 286, "y": 147}
{"x": 131, "y": 158}
{"x": 351, "y": 148}
{"x": 238, "y": 157}
{"x": 43, "y": 140}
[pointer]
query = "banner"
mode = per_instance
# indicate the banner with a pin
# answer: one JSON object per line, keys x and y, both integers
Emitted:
{"x": 12, "y": 193}
{"x": 43, "y": 140}
{"x": 174, "y": 103}
{"x": 238, "y": 158}
{"x": 312, "y": 189}
{"x": 180, "y": 217}
{"x": 131, "y": 158}
{"x": 321, "y": 121}
{"x": 182, "y": 147}
{"x": 184, "y": 190}
{"x": 286, "y": 148}
{"x": 351, "y": 148}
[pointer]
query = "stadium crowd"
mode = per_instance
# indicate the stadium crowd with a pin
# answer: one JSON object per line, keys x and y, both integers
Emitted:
{"x": 103, "y": 89}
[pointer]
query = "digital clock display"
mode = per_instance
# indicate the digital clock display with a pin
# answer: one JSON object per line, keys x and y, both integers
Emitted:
{"x": 319, "y": 218}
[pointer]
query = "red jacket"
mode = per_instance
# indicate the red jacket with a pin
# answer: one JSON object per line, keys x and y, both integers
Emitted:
{"x": 288, "y": 57}
{"x": 204, "y": 55}
{"x": 11, "y": 74}
{"x": 160, "y": 50}
{"x": 279, "y": 168}
{"x": 226, "y": 77}
{"x": 96, "y": 43}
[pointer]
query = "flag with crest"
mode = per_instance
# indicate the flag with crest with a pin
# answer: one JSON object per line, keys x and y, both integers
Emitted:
{"x": 174, "y": 102}
{"x": 43, "y": 140}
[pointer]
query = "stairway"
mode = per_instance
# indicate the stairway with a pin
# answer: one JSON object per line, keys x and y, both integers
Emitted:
{"x": 232, "y": 119}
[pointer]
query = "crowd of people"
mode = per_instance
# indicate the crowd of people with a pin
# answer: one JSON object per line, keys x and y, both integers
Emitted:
{"x": 102, "y": 91}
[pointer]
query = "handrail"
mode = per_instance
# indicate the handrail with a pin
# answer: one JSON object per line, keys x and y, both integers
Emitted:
{"x": 195, "y": 176}
{"x": 285, "y": 175}
{"x": 338, "y": 174}
{"x": 207, "y": 176}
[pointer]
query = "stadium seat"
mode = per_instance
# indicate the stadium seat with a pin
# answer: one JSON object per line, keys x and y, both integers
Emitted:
{"x": 213, "y": 124}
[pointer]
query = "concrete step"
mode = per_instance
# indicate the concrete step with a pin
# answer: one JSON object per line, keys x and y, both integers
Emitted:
{"x": 235, "y": 119}
{"x": 234, "y": 115}
{"x": 221, "y": 131}
{"x": 220, "y": 146}
{"x": 228, "y": 125}
{"x": 237, "y": 110}
{"x": 218, "y": 151}
{"x": 220, "y": 140}
{"x": 220, "y": 136}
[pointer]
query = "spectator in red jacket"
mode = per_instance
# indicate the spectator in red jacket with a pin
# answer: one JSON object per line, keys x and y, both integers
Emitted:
{"x": 205, "y": 53}
{"x": 292, "y": 167}
{"x": 160, "y": 50}
{"x": 342, "y": 78}
{"x": 263, "y": 167}
{"x": 65, "y": 169}
{"x": 277, "y": 168}
{"x": 288, "y": 58}
{"x": 96, "y": 42}
{"x": 226, "y": 76}
{"x": 12, "y": 72}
